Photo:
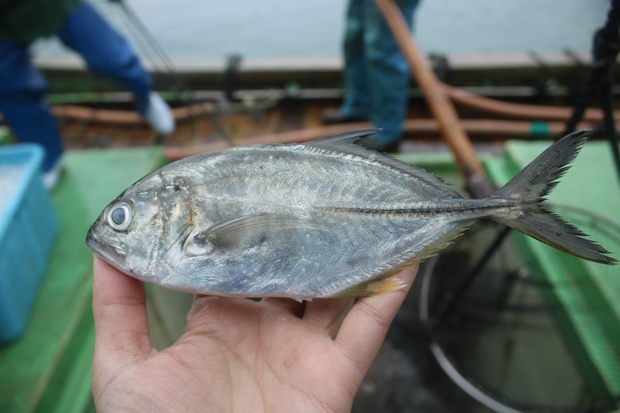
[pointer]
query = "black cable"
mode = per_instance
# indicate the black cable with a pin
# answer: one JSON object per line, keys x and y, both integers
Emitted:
{"x": 605, "y": 49}
{"x": 608, "y": 41}
{"x": 162, "y": 61}
{"x": 185, "y": 92}
{"x": 156, "y": 62}
{"x": 450, "y": 302}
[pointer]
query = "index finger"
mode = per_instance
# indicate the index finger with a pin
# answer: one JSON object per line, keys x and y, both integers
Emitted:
{"x": 119, "y": 311}
{"x": 366, "y": 325}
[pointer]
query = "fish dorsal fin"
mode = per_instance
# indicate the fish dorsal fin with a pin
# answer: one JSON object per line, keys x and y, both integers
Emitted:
{"x": 345, "y": 143}
{"x": 239, "y": 233}
{"x": 337, "y": 142}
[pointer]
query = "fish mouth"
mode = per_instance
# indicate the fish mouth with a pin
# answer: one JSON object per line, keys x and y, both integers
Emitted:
{"x": 111, "y": 252}
{"x": 91, "y": 241}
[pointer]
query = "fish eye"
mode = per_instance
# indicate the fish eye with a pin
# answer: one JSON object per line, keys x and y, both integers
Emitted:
{"x": 119, "y": 216}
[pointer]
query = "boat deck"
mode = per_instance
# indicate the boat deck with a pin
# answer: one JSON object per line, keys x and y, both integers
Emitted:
{"x": 585, "y": 294}
{"x": 49, "y": 367}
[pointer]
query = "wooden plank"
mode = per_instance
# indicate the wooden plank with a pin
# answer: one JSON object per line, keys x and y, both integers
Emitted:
{"x": 68, "y": 73}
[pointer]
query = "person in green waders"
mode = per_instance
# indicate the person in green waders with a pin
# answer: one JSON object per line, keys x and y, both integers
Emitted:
{"x": 376, "y": 74}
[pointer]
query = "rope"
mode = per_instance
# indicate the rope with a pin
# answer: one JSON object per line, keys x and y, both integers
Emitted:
{"x": 164, "y": 64}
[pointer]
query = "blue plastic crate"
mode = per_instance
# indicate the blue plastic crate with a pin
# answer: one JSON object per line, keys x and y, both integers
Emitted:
{"x": 28, "y": 226}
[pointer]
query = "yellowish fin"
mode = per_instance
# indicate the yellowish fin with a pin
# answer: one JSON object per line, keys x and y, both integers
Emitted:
{"x": 372, "y": 288}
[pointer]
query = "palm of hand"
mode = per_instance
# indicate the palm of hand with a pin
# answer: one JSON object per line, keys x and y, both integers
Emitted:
{"x": 235, "y": 355}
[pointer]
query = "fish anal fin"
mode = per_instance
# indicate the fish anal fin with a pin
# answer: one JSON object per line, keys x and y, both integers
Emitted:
{"x": 386, "y": 285}
{"x": 373, "y": 287}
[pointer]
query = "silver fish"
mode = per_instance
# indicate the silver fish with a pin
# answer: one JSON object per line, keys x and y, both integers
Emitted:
{"x": 326, "y": 218}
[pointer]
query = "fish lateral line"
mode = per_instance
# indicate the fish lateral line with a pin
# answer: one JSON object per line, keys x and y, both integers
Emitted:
{"x": 427, "y": 210}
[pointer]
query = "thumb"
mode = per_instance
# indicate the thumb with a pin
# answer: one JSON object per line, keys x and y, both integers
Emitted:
{"x": 119, "y": 311}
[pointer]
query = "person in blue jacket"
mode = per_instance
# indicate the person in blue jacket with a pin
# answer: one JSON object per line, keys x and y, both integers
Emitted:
{"x": 81, "y": 28}
{"x": 376, "y": 75}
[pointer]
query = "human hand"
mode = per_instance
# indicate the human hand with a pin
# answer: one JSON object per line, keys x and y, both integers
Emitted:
{"x": 236, "y": 355}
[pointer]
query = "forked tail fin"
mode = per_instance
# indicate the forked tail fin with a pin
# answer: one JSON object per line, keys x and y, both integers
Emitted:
{"x": 529, "y": 189}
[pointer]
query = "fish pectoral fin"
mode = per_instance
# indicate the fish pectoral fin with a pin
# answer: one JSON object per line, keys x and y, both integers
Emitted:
{"x": 376, "y": 287}
{"x": 243, "y": 232}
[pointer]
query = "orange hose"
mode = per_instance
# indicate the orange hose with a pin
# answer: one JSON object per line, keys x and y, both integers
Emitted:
{"x": 459, "y": 96}
{"x": 434, "y": 94}
{"x": 438, "y": 101}
{"x": 520, "y": 111}
{"x": 123, "y": 117}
